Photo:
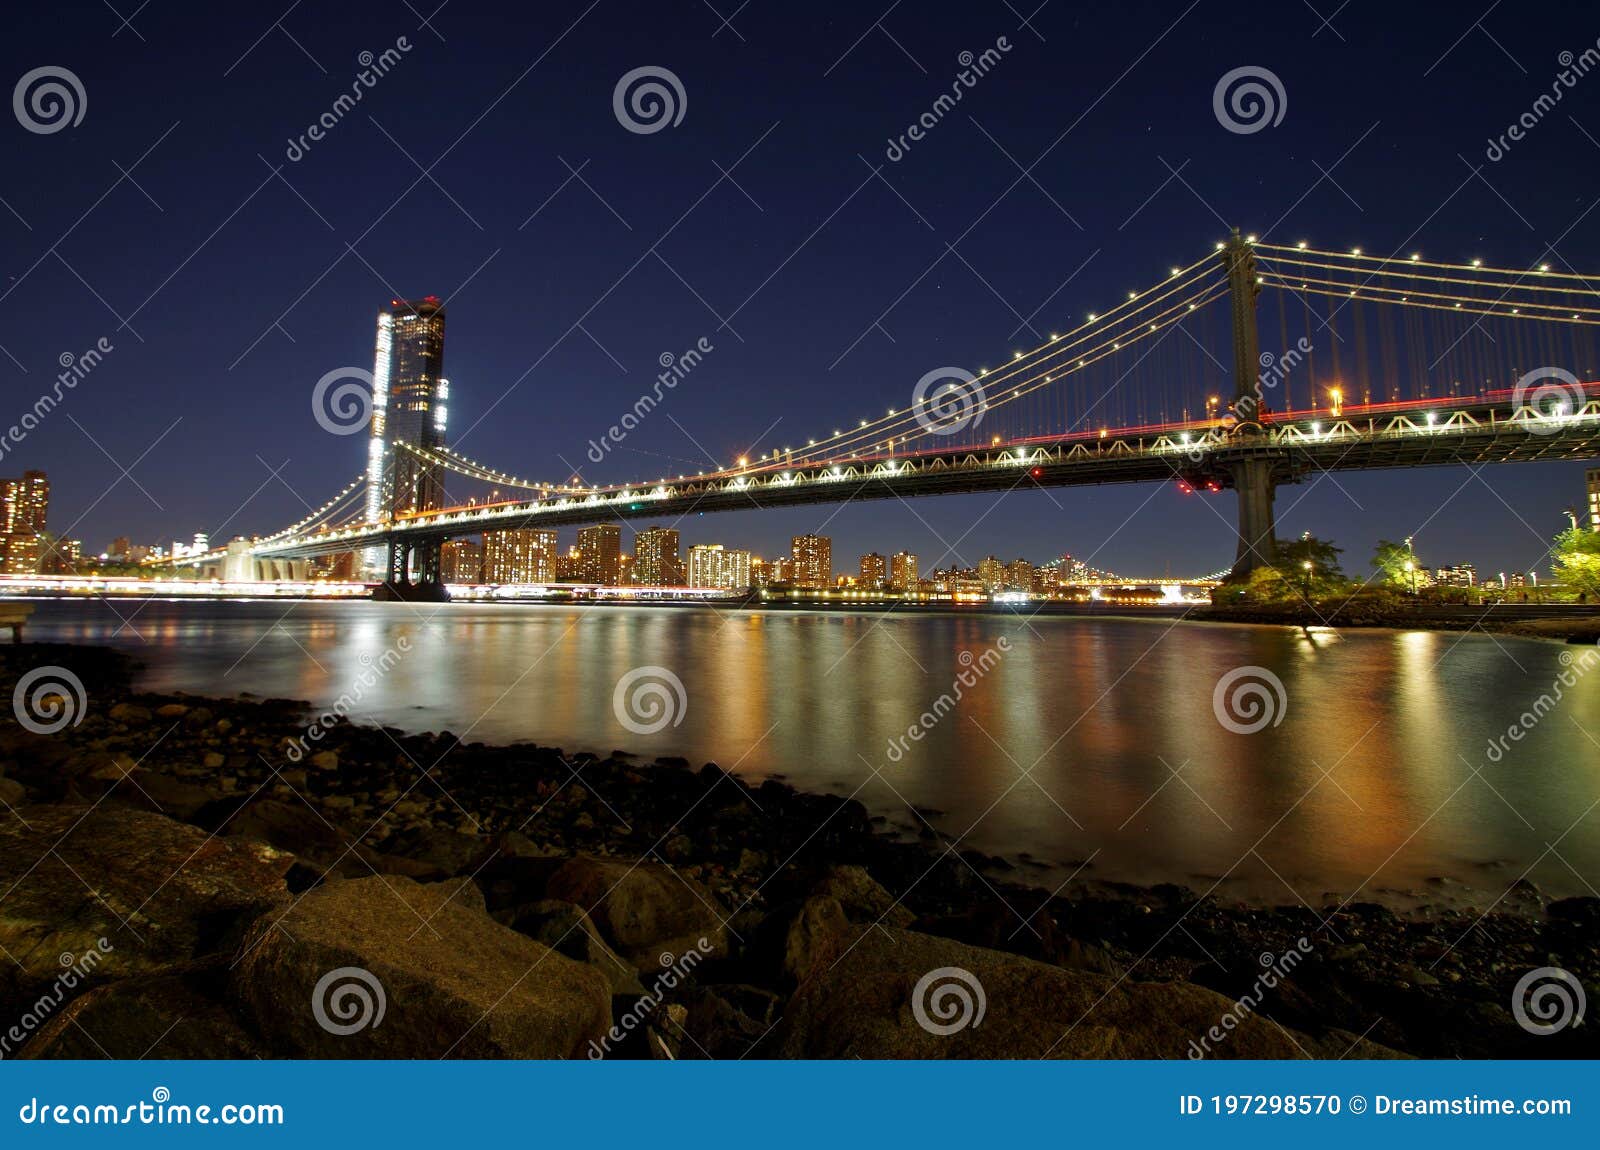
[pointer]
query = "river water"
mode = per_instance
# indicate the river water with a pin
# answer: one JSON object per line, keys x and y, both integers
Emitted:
{"x": 1384, "y": 772}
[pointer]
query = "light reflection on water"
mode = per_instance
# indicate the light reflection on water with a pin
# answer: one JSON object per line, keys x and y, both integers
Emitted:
{"x": 1087, "y": 738}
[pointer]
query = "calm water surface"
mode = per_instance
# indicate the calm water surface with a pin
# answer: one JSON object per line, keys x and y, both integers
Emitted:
{"x": 1090, "y": 739}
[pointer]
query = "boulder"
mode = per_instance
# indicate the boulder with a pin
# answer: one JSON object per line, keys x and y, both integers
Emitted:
{"x": 152, "y": 1016}
{"x": 645, "y": 910}
{"x": 991, "y": 1004}
{"x": 129, "y": 713}
{"x": 796, "y": 940}
{"x": 158, "y": 891}
{"x": 12, "y": 793}
{"x": 164, "y": 795}
{"x": 565, "y": 928}
{"x": 863, "y": 897}
{"x": 407, "y": 970}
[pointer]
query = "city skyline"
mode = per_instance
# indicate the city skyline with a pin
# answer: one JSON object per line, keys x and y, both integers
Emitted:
{"x": 535, "y": 388}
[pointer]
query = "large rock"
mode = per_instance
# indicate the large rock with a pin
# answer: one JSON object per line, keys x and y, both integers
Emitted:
{"x": 157, "y": 891}
{"x": 863, "y": 897}
{"x": 862, "y": 1006}
{"x": 451, "y": 982}
{"x": 645, "y": 910}
{"x": 564, "y": 927}
{"x": 152, "y": 1016}
{"x": 796, "y": 940}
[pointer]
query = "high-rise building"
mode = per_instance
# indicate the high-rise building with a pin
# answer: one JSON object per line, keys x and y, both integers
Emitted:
{"x": 705, "y": 565}
{"x": 813, "y": 561}
{"x": 991, "y": 573}
{"x": 1593, "y": 478}
{"x": 461, "y": 561}
{"x": 600, "y": 549}
{"x": 1019, "y": 575}
{"x": 656, "y": 561}
{"x": 520, "y": 555}
{"x": 903, "y": 571}
{"x": 874, "y": 570}
{"x": 711, "y": 565}
{"x": 410, "y": 398}
{"x": 60, "y": 556}
{"x": 24, "y": 507}
{"x": 1459, "y": 575}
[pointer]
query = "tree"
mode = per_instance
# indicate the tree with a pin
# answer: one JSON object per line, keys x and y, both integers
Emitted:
{"x": 1396, "y": 564}
{"x": 1577, "y": 556}
{"x": 1311, "y": 564}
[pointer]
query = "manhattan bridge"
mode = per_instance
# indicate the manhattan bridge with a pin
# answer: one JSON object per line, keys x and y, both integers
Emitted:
{"x": 1253, "y": 366}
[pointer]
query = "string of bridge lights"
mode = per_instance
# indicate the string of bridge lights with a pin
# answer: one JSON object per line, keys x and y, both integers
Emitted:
{"x": 1125, "y": 324}
{"x": 1276, "y": 273}
{"x": 321, "y": 512}
{"x": 1436, "y": 301}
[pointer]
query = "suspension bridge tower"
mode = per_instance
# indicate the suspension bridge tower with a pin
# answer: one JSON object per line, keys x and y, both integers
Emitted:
{"x": 1254, "y": 464}
{"x": 410, "y": 408}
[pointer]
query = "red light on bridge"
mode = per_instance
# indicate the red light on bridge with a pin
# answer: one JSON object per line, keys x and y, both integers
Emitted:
{"x": 1184, "y": 487}
{"x": 1037, "y": 472}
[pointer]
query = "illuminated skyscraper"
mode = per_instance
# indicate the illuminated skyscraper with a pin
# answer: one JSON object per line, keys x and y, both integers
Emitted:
{"x": 903, "y": 571}
{"x": 991, "y": 573}
{"x": 24, "y": 506}
{"x": 601, "y": 551}
{"x": 874, "y": 570}
{"x": 714, "y": 566}
{"x": 461, "y": 561}
{"x": 521, "y": 555}
{"x": 409, "y": 406}
{"x": 655, "y": 558}
{"x": 1593, "y": 476}
{"x": 813, "y": 561}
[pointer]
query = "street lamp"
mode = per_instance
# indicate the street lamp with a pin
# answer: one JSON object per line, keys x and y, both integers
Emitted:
{"x": 1308, "y": 568}
{"x": 1336, "y": 395}
{"x": 1411, "y": 570}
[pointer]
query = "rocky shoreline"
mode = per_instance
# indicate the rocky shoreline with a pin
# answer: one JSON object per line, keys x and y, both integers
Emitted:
{"x": 519, "y": 901}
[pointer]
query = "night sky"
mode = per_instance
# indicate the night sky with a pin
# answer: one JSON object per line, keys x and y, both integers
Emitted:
{"x": 228, "y": 291}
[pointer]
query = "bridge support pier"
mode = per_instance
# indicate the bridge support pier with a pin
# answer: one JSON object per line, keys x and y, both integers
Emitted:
{"x": 397, "y": 586}
{"x": 1253, "y": 479}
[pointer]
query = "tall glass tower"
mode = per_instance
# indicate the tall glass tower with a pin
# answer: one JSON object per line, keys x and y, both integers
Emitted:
{"x": 410, "y": 399}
